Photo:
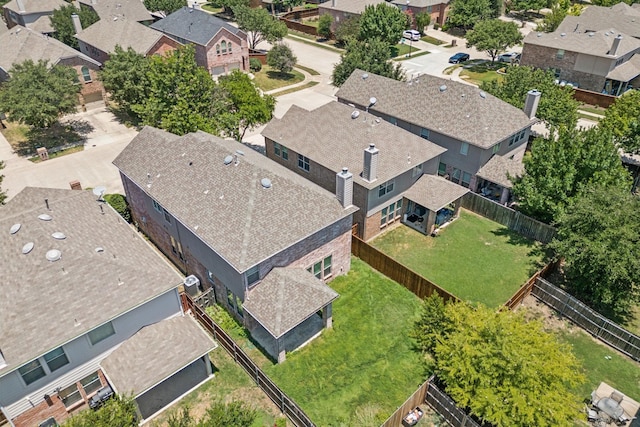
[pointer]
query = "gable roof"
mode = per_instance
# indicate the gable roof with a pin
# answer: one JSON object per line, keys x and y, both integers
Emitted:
{"x": 194, "y": 25}
{"x": 35, "y": 6}
{"x": 596, "y": 43}
{"x": 621, "y": 16}
{"x": 20, "y": 44}
{"x": 132, "y": 10}
{"x": 434, "y": 192}
{"x": 285, "y": 298}
{"x": 226, "y": 206}
{"x": 355, "y": 7}
{"x": 627, "y": 70}
{"x": 81, "y": 289}
{"x": 460, "y": 111}
{"x": 106, "y": 34}
{"x": 331, "y": 137}
{"x": 499, "y": 168}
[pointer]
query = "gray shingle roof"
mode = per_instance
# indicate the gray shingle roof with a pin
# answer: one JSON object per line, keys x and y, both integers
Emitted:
{"x": 106, "y": 34}
{"x": 596, "y": 43}
{"x": 132, "y": 10}
{"x": 156, "y": 352}
{"x": 461, "y": 111}
{"x": 331, "y": 137}
{"x": 498, "y": 168}
{"x": 82, "y": 287}
{"x": 355, "y": 7}
{"x": 35, "y": 6}
{"x": 626, "y": 71}
{"x": 194, "y": 25}
{"x": 42, "y": 25}
{"x": 285, "y": 298}
{"x": 622, "y": 17}
{"x": 20, "y": 43}
{"x": 226, "y": 205}
{"x": 419, "y": 3}
{"x": 434, "y": 192}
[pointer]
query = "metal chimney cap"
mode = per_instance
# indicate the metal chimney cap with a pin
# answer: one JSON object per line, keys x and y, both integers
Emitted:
{"x": 345, "y": 170}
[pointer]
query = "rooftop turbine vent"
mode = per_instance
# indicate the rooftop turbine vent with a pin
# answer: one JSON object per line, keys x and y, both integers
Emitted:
{"x": 442, "y": 88}
{"x": 355, "y": 114}
{"x": 365, "y": 76}
{"x": 266, "y": 183}
{"x": 228, "y": 160}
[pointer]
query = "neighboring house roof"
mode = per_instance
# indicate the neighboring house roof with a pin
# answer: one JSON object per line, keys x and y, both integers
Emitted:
{"x": 20, "y": 44}
{"x": 42, "y": 25}
{"x": 451, "y": 108}
{"x": 595, "y": 18}
{"x": 155, "y": 353}
{"x": 330, "y": 136}
{"x": 285, "y": 298}
{"x": 45, "y": 304}
{"x": 593, "y": 43}
{"x": 434, "y": 192}
{"x": 194, "y": 25}
{"x": 132, "y": 10}
{"x": 355, "y": 7}
{"x": 226, "y": 206}
{"x": 35, "y": 6}
{"x": 419, "y": 3}
{"x": 626, "y": 71}
{"x": 499, "y": 168}
{"x": 106, "y": 34}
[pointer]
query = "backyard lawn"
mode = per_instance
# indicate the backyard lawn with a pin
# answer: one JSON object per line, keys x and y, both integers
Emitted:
{"x": 473, "y": 258}
{"x": 360, "y": 371}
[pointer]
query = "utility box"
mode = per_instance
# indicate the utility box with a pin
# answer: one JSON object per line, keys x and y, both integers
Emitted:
{"x": 43, "y": 153}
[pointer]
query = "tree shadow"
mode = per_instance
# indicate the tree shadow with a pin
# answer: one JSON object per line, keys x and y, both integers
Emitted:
{"x": 536, "y": 251}
{"x": 124, "y": 116}
{"x": 259, "y": 148}
{"x": 277, "y": 75}
{"x": 81, "y": 127}
{"x": 53, "y": 138}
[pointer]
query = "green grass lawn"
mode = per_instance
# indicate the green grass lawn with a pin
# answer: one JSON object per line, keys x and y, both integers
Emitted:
{"x": 432, "y": 40}
{"x": 269, "y": 79}
{"x": 212, "y": 9}
{"x": 365, "y": 363}
{"x": 483, "y": 72}
{"x": 473, "y": 258}
{"x": 402, "y": 49}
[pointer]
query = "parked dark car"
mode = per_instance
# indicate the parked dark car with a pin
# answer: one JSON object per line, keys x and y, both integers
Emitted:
{"x": 458, "y": 58}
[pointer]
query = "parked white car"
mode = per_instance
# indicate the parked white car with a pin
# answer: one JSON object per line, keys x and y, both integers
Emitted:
{"x": 413, "y": 35}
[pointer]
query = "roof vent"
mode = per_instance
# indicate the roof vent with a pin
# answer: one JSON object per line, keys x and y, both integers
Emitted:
{"x": 53, "y": 255}
{"x": 365, "y": 76}
{"x": 58, "y": 235}
{"x": 463, "y": 95}
{"x": 27, "y": 248}
{"x": 99, "y": 249}
{"x": 15, "y": 228}
{"x": 266, "y": 183}
{"x": 45, "y": 217}
{"x": 372, "y": 101}
{"x": 591, "y": 34}
{"x": 483, "y": 94}
{"x": 240, "y": 152}
{"x": 228, "y": 160}
{"x": 443, "y": 88}
{"x": 355, "y": 114}
{"x": 539, "y": 34}
{"x": 563, "y": 34}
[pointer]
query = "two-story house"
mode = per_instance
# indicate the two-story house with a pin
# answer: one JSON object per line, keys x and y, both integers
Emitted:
{"x": 471, "y": 124}
{"x": 33, "y": 14}
{"x": 264, "y": 238}
{"x": 87, "y": 303}
{"x": 133, "y": 10}
{"x": 343, "y": 10}
{"x": 220, "y": 47}
{"x": 437, "y": 9}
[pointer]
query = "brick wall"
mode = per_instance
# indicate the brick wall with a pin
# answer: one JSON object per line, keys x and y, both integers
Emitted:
{"x": 239, "y": 53}
{"x": 163, "y": 46}
{"x": 86, "y": 88}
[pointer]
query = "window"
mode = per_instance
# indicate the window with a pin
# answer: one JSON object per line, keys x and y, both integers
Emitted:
{"x": 619, "y": 61}
{"x": 398, "y": 208}
{"x": 464, "y": 148}
{"x": 560, "y": 54}
{"x": 517, "y": 137}
{"x": 442, "y": 169}
{"x": 101, "y": 333}
{"x": 229, "y": 47}
{"x": 253, "y": 275}
{"x": 85, "y": 74}
{"x": 223, "y": 46}
{"x": 281, "y": 151}
{"x": 56, "y": 359}
{"x": 91, "y": 383}
{"x": 496, "y": 148}
{"x": 210, "y": 276}
{"x": 417, "y": 170}
{"x": 31, "y": 372}
{"x": 218, "y": 49}
{"x": 386, "y": 188}
{"x": 176, "y": 248}
{"x": 239, "y": 306}
{"x": 70, "y": 395}
{"x": 466, "y": 179}
{"x": 424, "y": 133}
{"x": 167, "y": 216}
{"x": 303, "y": 162}
{"x": 393, "y": 121}
{"x": 383, "y": 217}
{"x": 321, "y": 269}
{"x": 157, "y": 206}
{"x": 230, "y": 298}
{"x": 390, "y": 213}
{"x": 455, "y": 176}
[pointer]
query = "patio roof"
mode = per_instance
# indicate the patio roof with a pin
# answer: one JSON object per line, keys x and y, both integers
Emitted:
{"x": 285, "y": 298}
{"x": 155, "y": 353}
{"x": 434, "y": 192}
{"x": 626, "y": 71}
{"x": 499, "y": 168}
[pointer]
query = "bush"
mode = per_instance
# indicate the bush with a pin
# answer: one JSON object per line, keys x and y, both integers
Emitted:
{"x": 119, "y": 203}
{"x": 324, "y": 26}
{"x": 255, "y": 65}
{"x": 281, "y": 58}
{"x": 226, "y": 321}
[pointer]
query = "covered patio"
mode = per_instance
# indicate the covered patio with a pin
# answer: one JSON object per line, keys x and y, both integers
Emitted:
{"x": 622, "y": 78}
{"x": 610, "y": 407}
{"x": 432, "y": 202}
{"x": 287, "y": 309}
{"x": 493, "y": 178}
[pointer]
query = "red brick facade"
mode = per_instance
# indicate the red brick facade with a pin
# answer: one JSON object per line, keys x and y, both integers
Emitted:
{"x": 91, "y": 88}
{"x": 218, "y": 58}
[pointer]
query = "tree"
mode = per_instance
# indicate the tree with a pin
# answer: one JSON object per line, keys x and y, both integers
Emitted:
{"x": 124, "y": 76}
{"x": 423, "y": 19}
{"x": 465, "y": 13}
{"x": 382, "y": 22}
{"x": 119, "y": 203}
{"x": 552, "y": 20}
{"x": 558, "y": 169}
{"x": 37, "y": 95}
{"x": 281, "y": 58}
{"x": 347, "y": 30}
{"x": 557, "y": 108}
{"x": 504, "y": 369}
{"x": 63, "y": 25}
{"x": 166, "y": 6}
{"x": 230, "y": 5}
{"x": 324, "y": 26}
{"x": 247, "y": 107}
{"x": 117, "y": 411}
{"x": 598, "y": 240}
{"x": 526, "y": 5}
{"x": 3, "y": 194}
{"x": 493, "y": 36}
{"x": 259, "y": 25}
{"x": 623, "y": 120}
{"x": 371, "y": 56}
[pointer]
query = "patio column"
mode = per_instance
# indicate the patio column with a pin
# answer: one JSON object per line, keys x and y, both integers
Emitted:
{"x": 327, "y": 318}
{"x": 504, "y": 196}
{"x": 430, "y": 222}
{"x": 207, "y": 363}
{"x": 282, "y": 353}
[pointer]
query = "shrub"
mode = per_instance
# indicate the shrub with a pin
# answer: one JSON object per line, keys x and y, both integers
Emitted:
{"x": 255, "y": 65}
{"x": 324, "y": 26}
{"x": 119, "y": 203}
{"x": 281, "y": 58}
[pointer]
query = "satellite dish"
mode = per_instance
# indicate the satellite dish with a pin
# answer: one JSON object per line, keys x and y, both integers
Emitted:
{"x": 99, "y": 191}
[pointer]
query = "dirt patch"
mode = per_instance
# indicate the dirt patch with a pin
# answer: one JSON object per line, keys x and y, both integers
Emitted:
{"x": 537, "y": 310}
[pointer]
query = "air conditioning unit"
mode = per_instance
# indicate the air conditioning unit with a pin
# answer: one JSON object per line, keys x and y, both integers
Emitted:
{"x": 191, "y": 284}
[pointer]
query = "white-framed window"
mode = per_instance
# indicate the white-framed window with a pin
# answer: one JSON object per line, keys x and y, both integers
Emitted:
{"x": 218, "y": 49}
{"x": 157, "y": 206}
{"x": 167, "y": 216}
{"x": 464, "y": 148}
{"x": 70, "y": 395}
{"x": 86, "y": 76}
{"x": 253, "y": 275}
{"x": 281, "y": 151}
{"x": 91, "y": 383}
{"x": 466, "y": 179}
{"x": 322, "y": 269}
{"x": 424, "y": 133}
{"x": 31, "y": 371}
{"x": 417, "y": 170}
{"x": 442, "y": 169}
{"x": 390, "y": 213}
{"x": 393, "y": 121}
{"x": 229, "y": 46}
{"x": 101, "y": 333}
{"x": 56, "y": 359}
{"x": 496, "y": 148}
{"x": 303, "y": 162}
{"x": 560, "y": 54}
{"x": 386, "y": 188}
{"x": 455, "y": 175}
{"x": 223, "y": 47}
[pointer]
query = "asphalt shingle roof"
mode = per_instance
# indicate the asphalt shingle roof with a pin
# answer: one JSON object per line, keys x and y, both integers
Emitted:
{"x": 596, "y": 43}
{"x": 132, "y": 10}
{"x": 419, "y": 3}
{"x": 355, "y": 7}
{"x": 171, "y": 344}
{"x": 194, "y": 25}
{"x": 45, "y": 304}
{"x": 621, "y": 16}
{"x": 331, "y": 137}
{"x": 499, "y": 168}
{"x": 106, "y": 34}
{"x": 434, "y": 192}
{"x": 626, "y": 71}
{"x": 285, "y": 298}
{"x": 460, "y": 111}
{"x": 35, "y": 6}
{"x": 226, "y": 205}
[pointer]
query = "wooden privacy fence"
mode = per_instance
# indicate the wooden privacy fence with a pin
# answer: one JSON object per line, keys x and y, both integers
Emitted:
{"x": 416, "y": 399}
{"x": 588, "y": 319}
{"x": 446, "y": 407}
{"x": 286, "y": 404}
{"x": 514, "y": 220}
{"x": 396, "y": 271}
{"x": 525, "y": 289}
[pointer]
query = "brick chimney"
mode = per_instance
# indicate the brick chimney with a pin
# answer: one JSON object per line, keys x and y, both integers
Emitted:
{"x": 344, "y": 187}
{"x": 531, "y": 103}
{"x": 615, "y": 45}
{"x": 370, "y": 170}
{"x": 77, "y": 26}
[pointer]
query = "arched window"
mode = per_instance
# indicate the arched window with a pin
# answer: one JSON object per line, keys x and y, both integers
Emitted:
{"x": 217, "y": 49}
{"x": 85, "y": 74}
{"x": 224, "y": 47}
{"x": 229, "y": 46}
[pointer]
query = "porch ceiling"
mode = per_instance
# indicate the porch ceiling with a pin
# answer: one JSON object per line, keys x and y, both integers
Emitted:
{"x": 285, "y": 298}
{"x": 434, "y": 192}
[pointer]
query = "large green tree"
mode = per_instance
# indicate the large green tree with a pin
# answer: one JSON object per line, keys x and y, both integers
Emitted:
{"x": 117, "y": 411}
{"x": 599, "y": 240}
{"x": 281, "y": 58}
{"x": 466, "y": 13}
{"x": 559, "y": 168}
{"x": 37, "y": 95}
{"x": 347, "y": 30}
{"x": 557, "y": 108}
{"x": 166, "y": 6}
{"x": 494, "y": 36}
{"x": 383, "y": 22}
{"x": 63, "y": 25}
{"x": 623, "y": 120}
{"x": 124, "y": 76}
{"x": 503, "y": 369}
{"x": 372, "y": 56}
{"x": 259, "y": 25}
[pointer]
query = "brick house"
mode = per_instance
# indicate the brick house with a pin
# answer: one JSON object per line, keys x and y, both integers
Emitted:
{"x": 33, "y": 14}
{"x": 437, "y": 9}
{"x": 265, "y": 239}
{"x": 82, "y": 291}
{"x": 220, "y": 47}
{"x": 20, "y": 44}
{"x": 342, "y": 10}
{"x": 472, "y": 125}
